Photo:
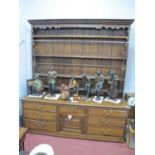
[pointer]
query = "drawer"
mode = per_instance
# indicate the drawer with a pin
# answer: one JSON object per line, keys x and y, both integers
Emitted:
{"x": 70, "y": 123}
{"x": 40, "y": 125}
{"x": 110, "y": 113}
{"x": 39, "y": 115}
{"x": 38, "y": 106}
{"x": 106, "y": 121}
{"x": 106, "y": 131}
{"x": 75, "y": 111}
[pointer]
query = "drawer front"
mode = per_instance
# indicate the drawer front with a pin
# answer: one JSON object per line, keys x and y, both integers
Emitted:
{"x": 72, "y": 110}
{"x": 106, "y": 121}
{"x": 39, "y": 115}
{"x": 40, "y": 125}
{"x": 110, "y": 113}
{"x": 38, "y": 106}
{"x": 71, "y": 123}
{"x": 106, "y": 131}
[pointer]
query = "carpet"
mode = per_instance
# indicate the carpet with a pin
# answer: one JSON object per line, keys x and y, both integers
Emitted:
{"x": 67, "y": 146}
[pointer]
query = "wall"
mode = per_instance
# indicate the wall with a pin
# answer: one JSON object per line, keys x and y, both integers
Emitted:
{"x": 55, "y": 9}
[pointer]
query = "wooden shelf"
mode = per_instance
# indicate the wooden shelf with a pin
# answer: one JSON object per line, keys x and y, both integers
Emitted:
{"x": 80, "y": 89}
{"x": 76, "y": 76}
{"x": 80, "y": 36}
{"x": 79, "y": 56}
{"x": 63, "y": 75}
{"x": 79, "y": 65}
{"x": 66, "y": 76}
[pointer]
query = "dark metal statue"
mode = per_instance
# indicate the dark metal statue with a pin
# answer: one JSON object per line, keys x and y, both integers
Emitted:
{"x": 99, "y": 79}
{"x": 113, "y": 81}
{"x": 52, "y": 75}
{"x": 86, "y": 82}
{"x": 36, "y": 86}
{"x": 73, "y": 86}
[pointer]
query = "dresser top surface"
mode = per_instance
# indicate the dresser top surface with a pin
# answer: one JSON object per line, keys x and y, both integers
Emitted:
{"x": 123, "y": 104}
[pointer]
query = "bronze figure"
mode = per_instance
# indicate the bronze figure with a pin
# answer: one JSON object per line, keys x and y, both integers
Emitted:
{"x": 52, "y": 75}
{"x": 73, "y": 86}
{"x": 113, "y": 81}
{"x": 36, "y": 86}
{"x": 99, "y": 79}
{"x": 86, "y": 82}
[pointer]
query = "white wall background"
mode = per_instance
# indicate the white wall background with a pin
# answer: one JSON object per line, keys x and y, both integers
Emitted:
{"x": 60, "y": 9}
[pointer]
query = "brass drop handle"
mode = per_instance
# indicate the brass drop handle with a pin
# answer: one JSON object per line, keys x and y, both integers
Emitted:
{"x": 104, "y": 131}
{"x": 109, "y": 121}
{"x": 73, "y": 110}
{"x": 42, "y": 124}
{"x": 108, "y": 112}
{"x": 41, "y": 115}
{"x": 39, "y": 107}
{"x": 106, "y": 121}
{"x": 39, "y": 125}
{"x": 103, "y": 120}
{"x": 109, "y": 130}
{"x": 53, "y": 110}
